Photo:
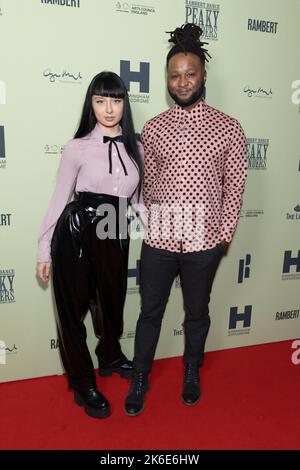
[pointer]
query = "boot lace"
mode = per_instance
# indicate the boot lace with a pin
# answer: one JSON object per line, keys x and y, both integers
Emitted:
{"x": 191, "y": 374}
{"x": 138, "y": 383}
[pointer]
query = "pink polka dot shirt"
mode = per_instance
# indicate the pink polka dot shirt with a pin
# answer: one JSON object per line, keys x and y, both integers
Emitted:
{"x": 195, "y": 172}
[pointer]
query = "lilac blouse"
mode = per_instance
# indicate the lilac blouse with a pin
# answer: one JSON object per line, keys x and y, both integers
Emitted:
{"x": 85, "y": 167}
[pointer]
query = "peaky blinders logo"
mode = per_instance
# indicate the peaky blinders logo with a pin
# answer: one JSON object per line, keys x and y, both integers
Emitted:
{"x": 205, "y": 15}
{"x": 7, "y": 291}
{"x": 257, "y": 149}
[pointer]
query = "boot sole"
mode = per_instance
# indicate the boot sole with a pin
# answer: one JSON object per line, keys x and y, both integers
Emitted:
{"x": 134, "y": 414}
{"x": 90, "y": 411}
{"x": 190, "y": 404}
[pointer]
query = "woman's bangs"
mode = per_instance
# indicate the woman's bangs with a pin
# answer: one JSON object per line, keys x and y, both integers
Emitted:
{"x": 108, "y": 86}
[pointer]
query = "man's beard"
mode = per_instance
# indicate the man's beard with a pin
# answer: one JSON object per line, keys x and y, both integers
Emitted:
{"x": 191, "y": 100}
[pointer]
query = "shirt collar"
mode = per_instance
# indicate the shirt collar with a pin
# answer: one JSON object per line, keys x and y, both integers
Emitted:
{"x": 97, "y": 133}
{"x": 195, "y": 116}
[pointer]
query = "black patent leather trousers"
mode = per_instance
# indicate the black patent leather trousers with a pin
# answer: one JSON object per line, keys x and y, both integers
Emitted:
{"x": 89, "y": 273}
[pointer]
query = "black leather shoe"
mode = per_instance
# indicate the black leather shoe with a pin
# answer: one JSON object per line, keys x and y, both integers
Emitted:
{"x": 94, "y": 403}
{"x": 121, "y": 366}
{"x": 134, "y": 403}
{"x": 191, "y": 385}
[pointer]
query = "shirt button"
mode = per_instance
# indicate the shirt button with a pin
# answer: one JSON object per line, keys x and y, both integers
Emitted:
{"x": 118, "y": 169}
{"x": 115, "y": 189}
{"x": 114, "y": 154}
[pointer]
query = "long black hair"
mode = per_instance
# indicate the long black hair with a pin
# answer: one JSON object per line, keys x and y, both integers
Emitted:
{"x": 111, "y": 85}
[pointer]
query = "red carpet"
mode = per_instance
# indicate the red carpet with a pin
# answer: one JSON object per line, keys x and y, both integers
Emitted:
{"x": 250, "y": 401}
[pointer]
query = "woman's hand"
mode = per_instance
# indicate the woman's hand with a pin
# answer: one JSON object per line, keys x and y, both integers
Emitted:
{"x": 43, "y": 271}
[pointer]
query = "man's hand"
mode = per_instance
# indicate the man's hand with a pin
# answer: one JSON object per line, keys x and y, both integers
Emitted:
{"x": 43, "y": 271}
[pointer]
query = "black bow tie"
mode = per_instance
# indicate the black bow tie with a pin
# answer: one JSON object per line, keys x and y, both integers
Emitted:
{"x": 117, "y": 138}
{"x": 113, "y": 140}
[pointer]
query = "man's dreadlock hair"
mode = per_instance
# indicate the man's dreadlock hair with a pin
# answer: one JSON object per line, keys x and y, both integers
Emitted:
{"x": 187, "y": 39}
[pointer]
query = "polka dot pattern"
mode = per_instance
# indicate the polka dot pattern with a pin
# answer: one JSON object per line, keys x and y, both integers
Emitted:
{"x": 195, "y": 172}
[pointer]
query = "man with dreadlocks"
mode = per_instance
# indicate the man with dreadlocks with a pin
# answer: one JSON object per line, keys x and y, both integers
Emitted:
{"x": 195, "y": 171}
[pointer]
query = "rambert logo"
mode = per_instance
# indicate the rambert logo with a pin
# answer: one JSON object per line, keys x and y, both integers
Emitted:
{"x": 287, "y": 315}
{"x": 5, "y": 220}
{"x": 62, "y": 3}
{"x": 54, "y": 343}
{"x": 264, "y": 26}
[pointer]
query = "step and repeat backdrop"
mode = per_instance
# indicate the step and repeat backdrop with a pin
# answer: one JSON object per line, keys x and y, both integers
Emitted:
{"x": 49, "y": 52}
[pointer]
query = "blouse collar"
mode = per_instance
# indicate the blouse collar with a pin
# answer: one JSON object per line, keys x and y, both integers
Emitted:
{"x": 97, "y": 133}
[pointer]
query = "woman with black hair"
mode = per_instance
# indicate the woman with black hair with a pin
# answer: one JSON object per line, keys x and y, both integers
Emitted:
{"x": 86, "y": 240}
